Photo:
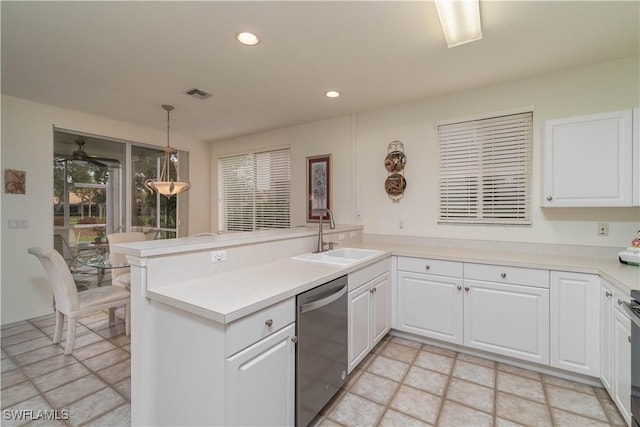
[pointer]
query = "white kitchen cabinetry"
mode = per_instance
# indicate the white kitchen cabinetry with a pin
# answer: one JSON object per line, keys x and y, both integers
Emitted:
{"x": 369, "y": 310}
{"x": 261, "y": 382}
{"x": 615, "y": 348}
{"x": 430, "y": 298}
{"x": 588, "y": 160}
{"x": 575, "y": 323}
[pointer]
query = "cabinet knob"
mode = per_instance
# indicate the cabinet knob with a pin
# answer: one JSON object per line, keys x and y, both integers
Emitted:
{"x": 608, "y": 294}
{"x": 629, "y": 338}
{"x": 503, "y": 275}
{"x": 427, "y": 267}
{"x": 268, "y": 322}
{"x": 620, "y": 301}
{"x": 294, "y": 339}
{"x": 371, "y": 290}
{"x": 549, "y": 198}
{"x": 459, "y": 287}
{"x": 466, "y": 288}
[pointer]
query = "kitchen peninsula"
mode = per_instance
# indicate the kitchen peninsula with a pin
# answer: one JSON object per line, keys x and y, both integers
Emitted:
{"x": 199, "y": 302}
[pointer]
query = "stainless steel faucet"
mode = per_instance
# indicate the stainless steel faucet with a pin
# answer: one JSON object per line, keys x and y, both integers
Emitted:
{"x": 332, "y": 225}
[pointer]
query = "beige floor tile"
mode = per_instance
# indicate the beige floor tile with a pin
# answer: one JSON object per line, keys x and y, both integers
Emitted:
{"x": 393, "y": 418}
{"x": 611, "y": 410}
{"x": 501, "y": 422}
{"x": 434, "y": 362}
{"x": 439, "y": 350}
{"x": 75, "y": 390}
{"x": 94, "y": 405}
{"x": 27, "y": 346}
{"x": 38, "y": 355}
{"x": 379, "y": 347}
{"x": 127, "y": 347}
{"x": 18, "y": 393}
{"x": 521, "y": 386}
{"x": 472, "y": 395}
{"x": 44, "y": 321}
{"x": 7, "y": 365}
{"x": 455, "y": 415}
{"x": 375, "y": 388}
{"x": 416, "y": 403}
{"x": 48, "y": 365}
{"x": 424, "y": 379}
{"x": 82, "y": 340}
{"x": 120, "y": 416}
{"x": 112, "y": 331}
{"x": 61, "y": 376}
{"x": 21, "y": 337}
{"x": 324, "y": 422}
{"x": 571, "y": 385}
{"x": 12, "y": 377}
{"x": 519, "y": 371}
{"x": 388, "y": 368}
{"x": 477, "y": 360}
{"x": 16, "y": 328}
{"x": 116, "y": 373}
{"x": 35, "y": 404}
{"x": 474, "y": 373}
{"x": 92, "y": 350}
{"x": 521, "y": 410}
{"x": 121, "y": 341}
{"x": 80, "y": 330}
{"x": 576, "y": 402}
{"x": 353, "y": 410}
{"x": 106, "y": 359}
{"x": 567, "y": 419}
{"x": 124, "y": 388}
{"x": 406, "y": 342}
{"x": 353, "y": 377}
{"x": 399, "y": 352}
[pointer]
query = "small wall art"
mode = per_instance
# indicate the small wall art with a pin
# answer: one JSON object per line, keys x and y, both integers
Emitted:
{"x": 15, "y": 181}
{"x": 318, "y": 186}
{"x": 395, "y": 184}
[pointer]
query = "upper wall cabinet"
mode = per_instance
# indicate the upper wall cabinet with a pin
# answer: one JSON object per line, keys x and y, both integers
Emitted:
{"x": 592, "y": 161}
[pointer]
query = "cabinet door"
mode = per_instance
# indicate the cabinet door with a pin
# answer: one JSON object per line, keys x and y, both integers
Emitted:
{"x": 381, "y": 307}
{"x": 636, "y": 157}
{"x": 430, "y": 306}
{"x": 606, "y": 341}
{"x": 507, "y": 319}
{"x": 359, "y": 325}
{"x": 575, "y": 322}
{"x": 261, "y": 382}
{"x": 622, "y": 363}
{"x": 588, "y": 160}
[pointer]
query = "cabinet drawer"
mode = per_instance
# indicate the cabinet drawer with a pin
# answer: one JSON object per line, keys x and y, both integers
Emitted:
{"x": 513, "y": 275}
{"x": 430, "y": 266}
{"x": 252, "y": 328}
{"x": 367, "y": 274}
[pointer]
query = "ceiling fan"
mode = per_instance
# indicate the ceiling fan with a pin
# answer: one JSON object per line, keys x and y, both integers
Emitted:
{"x": 81, "y": 156}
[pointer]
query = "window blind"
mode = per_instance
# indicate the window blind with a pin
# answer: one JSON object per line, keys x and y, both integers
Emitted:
{"x": 485, "y": 170}
{"x": 254, "y": 191}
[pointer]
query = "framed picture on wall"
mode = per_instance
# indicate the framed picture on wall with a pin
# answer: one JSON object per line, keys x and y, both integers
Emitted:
{"x": 318, "y": 186}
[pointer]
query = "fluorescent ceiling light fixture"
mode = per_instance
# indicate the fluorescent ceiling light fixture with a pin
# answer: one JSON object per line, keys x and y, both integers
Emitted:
{"x": 460, "y": 20}
{"x": 332, "y": 94}
{"x": 248, "y": 39}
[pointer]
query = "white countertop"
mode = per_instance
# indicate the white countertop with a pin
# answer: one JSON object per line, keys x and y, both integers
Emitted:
{"x": 225, "y": 297}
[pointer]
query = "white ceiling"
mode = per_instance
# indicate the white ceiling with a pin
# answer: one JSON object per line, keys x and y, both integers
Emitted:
{"x": 122, "y": 60}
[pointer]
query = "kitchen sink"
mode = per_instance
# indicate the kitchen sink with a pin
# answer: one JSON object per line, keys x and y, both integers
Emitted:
{"x": 342, "y": 256}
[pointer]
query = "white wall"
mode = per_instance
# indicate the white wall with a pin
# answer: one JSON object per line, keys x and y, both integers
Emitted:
{"x": 359, "y": 146}
{"x": 27, "y": 144}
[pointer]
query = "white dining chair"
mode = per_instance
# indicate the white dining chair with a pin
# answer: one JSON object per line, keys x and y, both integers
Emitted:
{"x": 122, "y": 276}
{"x": 73, "y": 304}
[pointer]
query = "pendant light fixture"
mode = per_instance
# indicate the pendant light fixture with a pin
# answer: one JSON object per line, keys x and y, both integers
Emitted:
{"x": 165, "y": 185}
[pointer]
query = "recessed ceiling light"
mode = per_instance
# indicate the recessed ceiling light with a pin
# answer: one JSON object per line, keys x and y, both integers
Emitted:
{"x": 248, "y": 39}
{"x": 332, "y": 94}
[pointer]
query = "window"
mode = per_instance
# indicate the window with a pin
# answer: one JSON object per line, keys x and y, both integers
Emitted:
{"x": 485, "y": 170}
{"x": 253, "y": 191}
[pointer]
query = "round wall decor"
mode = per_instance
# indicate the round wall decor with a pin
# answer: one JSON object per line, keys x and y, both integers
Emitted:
{"x": 394, "y": 163}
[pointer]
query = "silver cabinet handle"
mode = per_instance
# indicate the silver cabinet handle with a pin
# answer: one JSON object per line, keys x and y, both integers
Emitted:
{"x": 427, "y": 267}
{"x": 371, "y": 290}
{"x": 608, "y": 294}
{"x": 459, "y": 287}
{"x": 503, "y": 275}
{"x": 549, "y": 198}
{"x": 294, "y": 339}
{"x": 375, "y": 290}
{"x": 268, "y": 322}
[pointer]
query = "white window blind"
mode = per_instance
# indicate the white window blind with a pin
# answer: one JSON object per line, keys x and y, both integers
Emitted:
{"x": 253, "y": 191}
{"x": 485, "y": 170}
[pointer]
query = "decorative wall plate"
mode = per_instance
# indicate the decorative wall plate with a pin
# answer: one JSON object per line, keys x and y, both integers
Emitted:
{"x": 395, "y": 161}
{"x": 395, "y": 184}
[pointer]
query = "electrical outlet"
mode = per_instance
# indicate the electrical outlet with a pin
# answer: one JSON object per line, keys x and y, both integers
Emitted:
{"x": 340, "y": 237}
{"x": 603, "y": 229}
{"x": 401, "y": 225}
{"x": 218, "y": 256}
{"x": 358, "y": 216}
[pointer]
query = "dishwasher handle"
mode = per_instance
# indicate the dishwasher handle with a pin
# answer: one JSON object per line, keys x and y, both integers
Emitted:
{"x": 314, "y": 305}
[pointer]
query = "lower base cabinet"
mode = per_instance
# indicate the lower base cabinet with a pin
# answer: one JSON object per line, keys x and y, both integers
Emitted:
{"x": 260, "y": 382}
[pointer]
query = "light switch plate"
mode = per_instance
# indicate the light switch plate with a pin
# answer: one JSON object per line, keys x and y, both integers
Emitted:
{"x": 218, "y": 256}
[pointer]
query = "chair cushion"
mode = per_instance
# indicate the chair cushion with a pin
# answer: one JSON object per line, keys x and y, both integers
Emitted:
{"x": 99, "y": 297}
{"x": 123, "y": 280}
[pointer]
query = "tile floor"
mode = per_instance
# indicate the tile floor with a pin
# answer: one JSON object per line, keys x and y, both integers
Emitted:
{"x": 401, "y": 383}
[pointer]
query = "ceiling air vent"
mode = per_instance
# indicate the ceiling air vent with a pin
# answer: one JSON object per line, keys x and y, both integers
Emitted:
{"x": 197, "y": 93}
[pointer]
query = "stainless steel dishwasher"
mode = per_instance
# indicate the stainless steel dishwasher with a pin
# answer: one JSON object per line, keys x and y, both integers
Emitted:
{"x": 321, "y": 353}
